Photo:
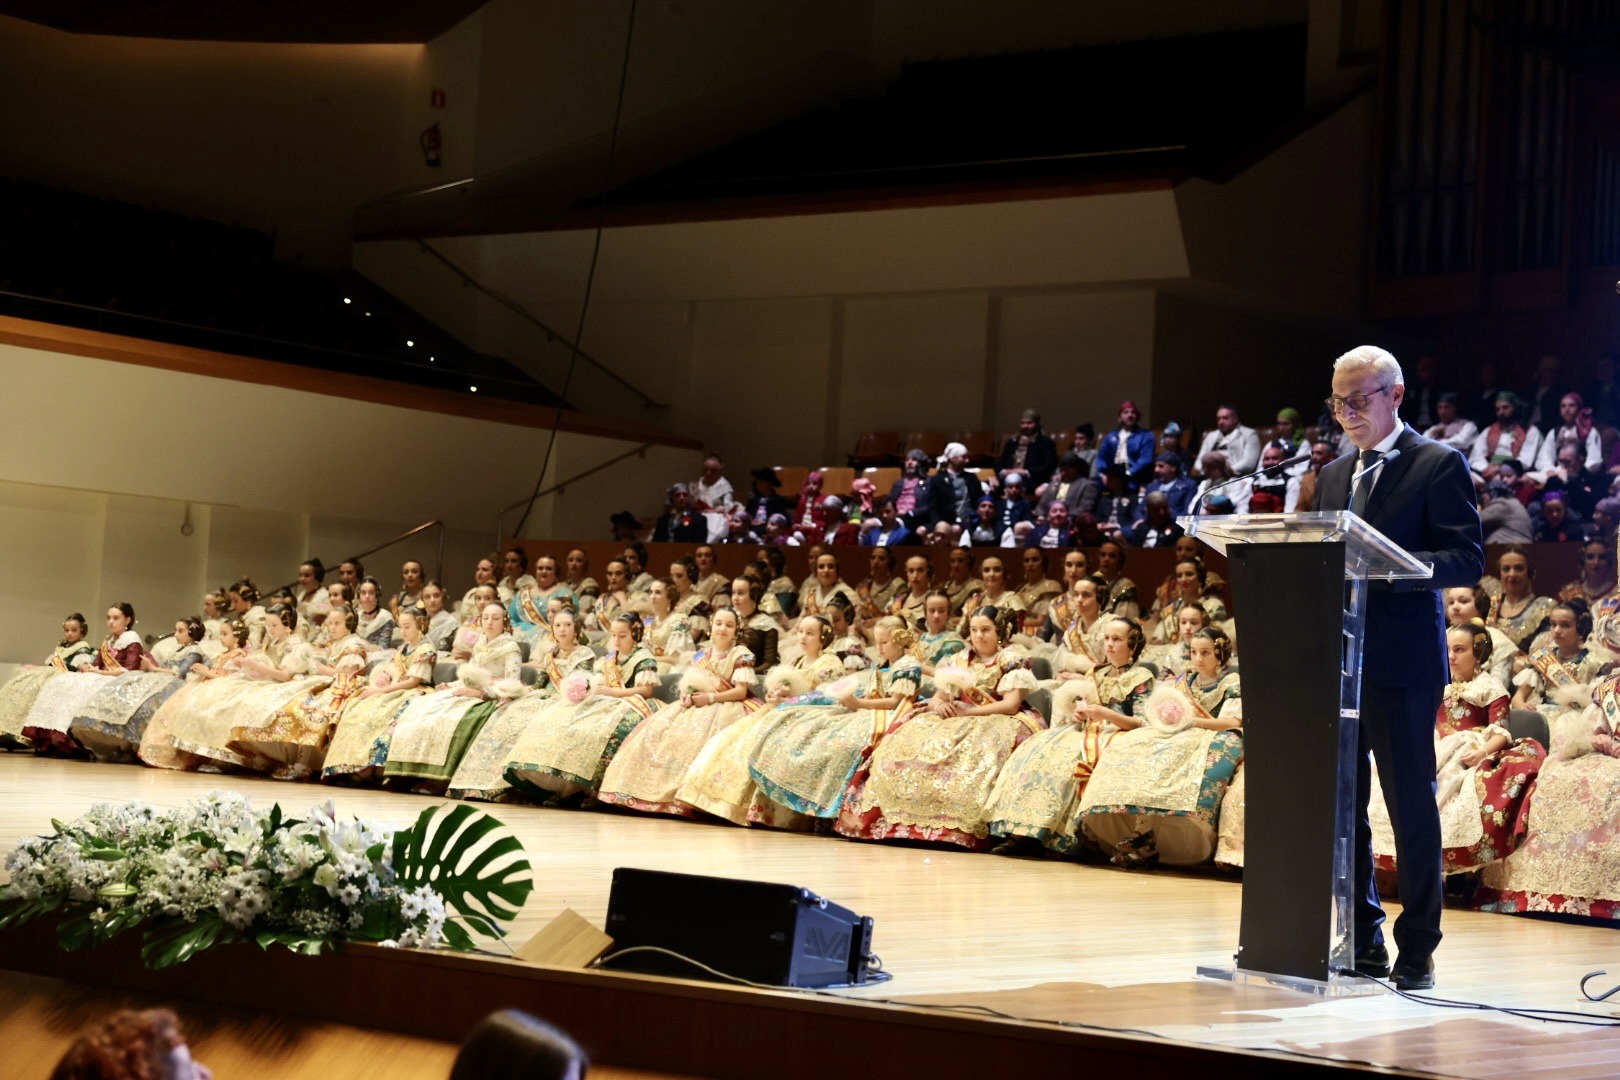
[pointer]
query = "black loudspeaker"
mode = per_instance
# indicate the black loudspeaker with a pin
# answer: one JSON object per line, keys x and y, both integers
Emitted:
{"x": 780, "y": 935}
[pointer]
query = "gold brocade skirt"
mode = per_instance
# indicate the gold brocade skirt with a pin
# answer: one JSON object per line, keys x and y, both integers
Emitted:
{"x": 17, "y": 697}
{"x": 653, "y": 761}
{"x": 482, "y": 772}
{"x": 359, "y": 746}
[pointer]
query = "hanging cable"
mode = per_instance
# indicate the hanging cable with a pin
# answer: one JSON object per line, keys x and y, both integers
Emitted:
{"x": 590, "y": 272}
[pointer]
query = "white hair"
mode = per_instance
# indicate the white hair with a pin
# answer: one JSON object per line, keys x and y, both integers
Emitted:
{"x": 1380, "y": 360}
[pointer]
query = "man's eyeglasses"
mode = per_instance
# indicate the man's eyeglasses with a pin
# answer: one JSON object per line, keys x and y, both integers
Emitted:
{"x": 1356, "y": 403}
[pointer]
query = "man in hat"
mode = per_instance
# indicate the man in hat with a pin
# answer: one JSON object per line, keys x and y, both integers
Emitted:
{"x": 626, "y": 526}
{"x": 1072, "y": 486}
{"x": 680, "y": 524}
{"x": 1031, "y": 451}
{"x": 1085, "y": 445}
{"x": 1129, "y": 445}
{"x": 1168, "y": 481}
{"x": 954, "y": 492}
{"x": 1450, "y": 425}
{"x": 766, "y": 498}
{"x": 1505, "y": 440}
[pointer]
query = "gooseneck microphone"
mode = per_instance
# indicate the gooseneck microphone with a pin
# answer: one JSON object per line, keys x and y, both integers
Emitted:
{"x": 1265, "y": 470}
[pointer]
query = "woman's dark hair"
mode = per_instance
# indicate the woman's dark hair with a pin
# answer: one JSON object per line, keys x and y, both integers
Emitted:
{"x": 1116, "y": 545}
{"x": 359, "y": 567}
{"x": 239, "y": 628}
{"x": 287, "y": 613}
{"x": 194, "y": 627}
{"x": 1479, "y": 640}
{"x": 689, "y": 564}
{"x": 845, "y": 607}
{"x": 1583, "y": 615}
{"x": 128, "y": 612}
{"x": 414, "y": 611}
{"x": 1217, "y": 638}
{"x": 756, "y": 587}
{"x": 345, "y": 590}
{"x": 316, "y": 568}
{"x": 248, "y": 591}
{"x": 1482, "y": 602}
{"x": 351, "y": 617}
{"x": 1040, "y": 552}
{"x": 639, "y": 550}
{"x": 515, "y": 1044}
{"x": 1198, "y": 566}
{"x": 887, "y": 553}
{"x": 1517, "y": 549}
{"x": 376, "y": 588}
{"x": 825, "y": 554}
{"x": 761, "y": 569}
{"x": 632, "y": 622}
{"x": 523, "y": 556}
{"x": 777, "y": 561}
{"x": 84, "y": 625}
{"x": 826, "y": 627}
{"x": 1135, "y": 636}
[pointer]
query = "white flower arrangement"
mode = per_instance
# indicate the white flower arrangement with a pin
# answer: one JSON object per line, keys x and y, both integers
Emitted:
{"x": 216, "y": 871}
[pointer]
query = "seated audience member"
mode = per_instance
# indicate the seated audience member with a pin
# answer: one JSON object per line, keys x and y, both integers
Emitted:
{"x": 1322, "y": 451}
{"x": 680, "y": 523}
{"x": 912, "y": 600}
{"x": 1451, "y": 426}
{"x": 879, "y": 590}
{"x": 1085, "y": 445}
{"x": 711, "y": 492}
{"x": 1167, "y": 479}
{"x": 807, "y": 521}
{"x": 515, "y": 1044}
{"x": 1503, "y": 517}
{"x": 1290, "y": 428}
{"x": 626, "y": 526}
{"x": 1129, "y": 445}
{"x": 886, "y": 528}
{"x": 765, "y": 500}
{"x": 1038, "y": 590}
{"x": 1157, "y": 528}
{"x": 1273, "y": 492}
{"x": 836, "y": 528}
{"x": 710, "y": 582}
{"x": 635, "y": 565}
{"x": 1055, "y": 533}
{"x": 1544, "y": 396}
{"x": 1605, "y": 517}
{"x": 1031, "y": 451}
{"x": 1597, "y": 580}
{"x": 1170, "y": 443}
{"x": 984, "y": 530}
{"x": 411, "y": 579}
{"x": 350, "y": 572}
{"x": 441, "y": 624}
{"x": 1116, "y": 509}
{"x": 1507, "y": 439}
{"x": 862, "y": 493}
{"x": 1217, "y": 471}
{"x": 1603, "y": 393}
{"x": 1118, "y": 592}
{"x": 1012, "y": 507}
{"x": 1554, "y": 525}
{"x": 1240, "y": 445}
{"x": 910, "y": 492}
{"x": 132, "y": 1045}
{"x": 1575, "y": 426}
{"x": 1511, "y": 473}
{"x": 1581, "y": 487}
{"x": 1072, "y": 486}
{"x": 954, "y": 491}
{"x": 310, "y": 593}
{"x": 514, "y": 565}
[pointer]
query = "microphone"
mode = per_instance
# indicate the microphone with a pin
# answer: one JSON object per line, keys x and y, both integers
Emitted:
{"x": 1355, "y": 477}
{"x": 1264, "y": 470}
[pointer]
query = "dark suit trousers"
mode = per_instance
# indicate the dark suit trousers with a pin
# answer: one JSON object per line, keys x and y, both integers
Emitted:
{"x": 1397, "y": 727}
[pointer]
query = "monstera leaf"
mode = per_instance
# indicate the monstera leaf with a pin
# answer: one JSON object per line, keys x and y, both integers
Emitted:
{"x": 438, "y": 851}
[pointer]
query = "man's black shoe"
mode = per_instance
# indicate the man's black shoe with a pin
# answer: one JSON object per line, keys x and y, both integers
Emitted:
{"x": 1413, "y": 974}
{"x": 1373, "y": 962}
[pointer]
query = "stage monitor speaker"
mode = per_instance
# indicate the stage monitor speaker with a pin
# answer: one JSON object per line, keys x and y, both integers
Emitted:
{"x": 780, "y": 935}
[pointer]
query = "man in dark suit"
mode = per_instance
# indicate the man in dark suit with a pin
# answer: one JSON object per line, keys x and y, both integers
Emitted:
{"x": 1418, "y": 493}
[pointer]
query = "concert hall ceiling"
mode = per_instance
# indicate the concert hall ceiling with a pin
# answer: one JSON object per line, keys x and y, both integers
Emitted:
{"x": 351, "y": 22}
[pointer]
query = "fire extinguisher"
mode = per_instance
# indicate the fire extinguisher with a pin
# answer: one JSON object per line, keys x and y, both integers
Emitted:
{"x": 432, "y": 142}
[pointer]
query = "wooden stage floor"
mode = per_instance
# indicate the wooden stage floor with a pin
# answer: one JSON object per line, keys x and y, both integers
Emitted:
{"x": 1044, "y": 940}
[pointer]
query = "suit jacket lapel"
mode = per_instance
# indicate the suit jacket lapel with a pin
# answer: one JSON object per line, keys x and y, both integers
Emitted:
{"x": 1333, "y": 483}
{"x": 1390, "y": 474}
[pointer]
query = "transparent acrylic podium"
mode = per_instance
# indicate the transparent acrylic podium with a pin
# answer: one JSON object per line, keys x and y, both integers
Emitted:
{"x": 1299, "y": 586}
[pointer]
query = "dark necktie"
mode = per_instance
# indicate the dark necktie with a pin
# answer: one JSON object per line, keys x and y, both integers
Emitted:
{"x": 1364, "y": 486}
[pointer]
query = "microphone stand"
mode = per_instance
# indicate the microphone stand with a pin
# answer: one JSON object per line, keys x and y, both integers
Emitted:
{"x": 1267, "y": 470}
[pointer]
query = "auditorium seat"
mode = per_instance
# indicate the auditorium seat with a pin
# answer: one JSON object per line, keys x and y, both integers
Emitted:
{"x": 1064, "y": 441}
{"x": 882, "y": 479}
{"x": 931, "y": 443}
{"x": 792, "y": 477}
{"x": 836, "y": 479}
{"x": 875, "y": 448}
{"x": 981, "y": 445}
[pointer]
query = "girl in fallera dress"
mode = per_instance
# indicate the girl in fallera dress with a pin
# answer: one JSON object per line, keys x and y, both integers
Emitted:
{"x": 61, "y": 700}
{"x": 932, "y": 773}
{"x": 806, "y": 761}
{"x": 1467, "y": 606}
{"x": 570, "y": 755}
{"x": 188, "y": 707}
{"x": 1562, "y": 666}
{"x": 73, "y": 653}
{"x": 376, "y": 622}
{"x": 1156, "y": 793}
{"x": 411, "y": 582}
{"x": 755, "y": 629}
{"x": 718, "y": 782}
{"x": 880, "y": 588}
{"x": 1483, "y": 775}
{"x": 1080, "y": 641}
{"x": 822, "y": 585}
{"x": 471, "y": 631}
{"x": 359, "y": 748}
{"x": 244, "y": 598}
{"x": 1038, "y": 590}
{"x": 652, "y": 762}
{"x": 993, "y": 593}
{"x": 668, "y": 636}
{"x": 1036, "y": 799}
{"x": 442, "y": 625}
{"x": 959, "y": 583}
{"x": 484, "y": 573}
{"x": 1518, "y": 612}
{"x": 685, "y": 600}
{"x": 434, "y": 730}
{"x": 908, "y": 604}
{"x": 116, "y": 716}
{"x": 291, "y": 743}
{"x": 1597, "y": 580}
{"x": 847, "y": 643}
{"x": 562, "y": 683}
{"x": 1174, "y": 658}
{"x": 938, "y": 642}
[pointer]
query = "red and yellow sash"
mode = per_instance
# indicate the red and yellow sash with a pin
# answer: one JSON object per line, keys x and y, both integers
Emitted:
{"x": 109, "y": 657}
{"x": 1552, "y": 669}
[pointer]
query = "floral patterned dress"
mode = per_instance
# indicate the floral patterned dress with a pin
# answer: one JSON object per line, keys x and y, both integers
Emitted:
{"x": 804, "y": 761}
{"x": 359, "y": 748}
{"x": 482, "y": 772}
{"x": 116, "y": 716}
{"x": 718, "y": 782}
{"x": 218, "y": 709}
{"x": 653, "y": 760}
{"x": 936, "y": 649}
{"x": 434, "y": 730}
{"x": 1569, "y": 858}
{"x": 1481, "y": 806}
{"x": 185, "y": 707}
{"x": 571, "y": 753}
{"x": 18, "y": 695}
{"x": 1038, "y": 793}
{"x": 931, "y": 776}
{"x": 1522, "y": 626}
{"x": 1169, "y": 781}
{"x": 62, "y": 700}
{"x": 291, "y": 743}
{"x": 668, "y": 639}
